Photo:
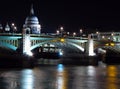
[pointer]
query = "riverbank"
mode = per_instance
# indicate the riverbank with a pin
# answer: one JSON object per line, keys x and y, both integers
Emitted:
{"x": 15, "y": 60}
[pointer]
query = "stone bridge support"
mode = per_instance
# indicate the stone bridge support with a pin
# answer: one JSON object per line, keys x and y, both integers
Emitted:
{"x": 26, "y": 41}
{"x": 89, "y": 49}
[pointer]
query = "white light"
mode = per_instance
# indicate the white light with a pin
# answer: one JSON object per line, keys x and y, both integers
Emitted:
{"x": 61, "y": 28}
{"x": 29, "y": 53}
{"x": 74, "y": 33}
{"x": 103, "y": 37}
{"x": 15, "y": 27}
{"x": 58, "y": 31}
{"x": 97, "y": 32}
{"x": 13, "y": 24}
{"x": 112, "y": 34}
{"x": 68, "y": 33}
{"x": 60, "y": 53}
{"x": 81, "y": 30}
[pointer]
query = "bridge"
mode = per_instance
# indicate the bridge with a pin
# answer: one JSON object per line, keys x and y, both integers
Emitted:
{"x": 25, "y": 42}
{"x": 114, "y": 36}
{"x": 14, "y": 41}
{"x": 109, "y": 40}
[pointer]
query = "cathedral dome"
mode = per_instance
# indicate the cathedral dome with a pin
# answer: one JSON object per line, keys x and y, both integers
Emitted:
{"x": 31, "y": 20}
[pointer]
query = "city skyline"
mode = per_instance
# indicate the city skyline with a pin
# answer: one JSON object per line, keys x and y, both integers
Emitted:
{"x": 71, "y": 15}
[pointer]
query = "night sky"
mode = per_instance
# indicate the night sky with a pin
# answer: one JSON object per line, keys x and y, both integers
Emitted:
{"x": 72, "y": 15}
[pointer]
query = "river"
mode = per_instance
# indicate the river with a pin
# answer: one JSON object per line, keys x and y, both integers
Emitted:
{"x": 62, "y": 77}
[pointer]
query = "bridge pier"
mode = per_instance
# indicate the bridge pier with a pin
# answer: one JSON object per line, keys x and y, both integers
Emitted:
{"x": 26, "y": 42}
{"x": 90, "y": 46}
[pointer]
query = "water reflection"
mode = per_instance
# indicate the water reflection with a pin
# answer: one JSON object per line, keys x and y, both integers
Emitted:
{"x": 62, "y": 77}
{"x": 27, "y": 79}
{"x": 45, "y": 77}
{"x": 112, "y": 77}
{"x": 91, "y": 71}
{"x": 61, "y": 82}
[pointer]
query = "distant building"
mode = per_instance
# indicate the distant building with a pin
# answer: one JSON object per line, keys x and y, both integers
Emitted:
{"x": 32, "y": 23}
{"x": 7, "y": 28}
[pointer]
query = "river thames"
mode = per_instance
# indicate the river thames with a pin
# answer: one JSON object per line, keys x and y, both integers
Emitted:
{"x": 62, "y": 77}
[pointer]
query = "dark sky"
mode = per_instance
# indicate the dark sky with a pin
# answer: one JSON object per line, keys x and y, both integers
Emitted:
{"x": 73, "y": 15}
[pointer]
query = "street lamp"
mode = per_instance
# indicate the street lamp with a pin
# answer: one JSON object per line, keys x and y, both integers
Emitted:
{"x": 13, "y": 24}
{"x": 81, "y": 31}
{"x": 68, "y": 33}
{"x": 61, "y": 29}
{"x": 112, "y": 34}
{"x": 98, "y": 35}
{"x": 97, "y": 32}
{"x": 74, "y": 33}
{"x": 58, "y": 32}
{"x": 14, "y": 28}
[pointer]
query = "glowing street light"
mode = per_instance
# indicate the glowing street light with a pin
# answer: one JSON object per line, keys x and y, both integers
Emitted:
{"x": 13, "y": 24}
{"x": 97, "y": 32}
{"x": 58, "y": 32}
{"x": 98, "y": 35}
{"x": 112, "y": 34}
{"x": 14, "y": 28}
{"x": 68, "y": 33}
{"x": 103, "y": 37}
{"x": 81, "y": 31}
{"x": 74, "y": 33}
{"x": 61, "y": 29}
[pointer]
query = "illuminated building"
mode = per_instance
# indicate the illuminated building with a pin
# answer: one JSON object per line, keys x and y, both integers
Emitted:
{"x": 32, "y": 23}
{"x": 7, "y": 28}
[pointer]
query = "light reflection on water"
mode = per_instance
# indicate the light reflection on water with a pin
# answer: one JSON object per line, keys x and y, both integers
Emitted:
{"x": 27, "y": 79}
{"x": 112, "y": 77}
{"x": 61, "y": 82}
{"x": 62, "y": 77}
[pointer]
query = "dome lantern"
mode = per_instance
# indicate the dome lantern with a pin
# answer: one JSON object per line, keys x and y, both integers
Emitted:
{"x": 32, "y": 10}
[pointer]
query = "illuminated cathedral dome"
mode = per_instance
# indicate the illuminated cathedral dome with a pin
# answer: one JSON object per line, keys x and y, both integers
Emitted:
{"x": 32, "y": 19}
{"x": 32, "y": 22}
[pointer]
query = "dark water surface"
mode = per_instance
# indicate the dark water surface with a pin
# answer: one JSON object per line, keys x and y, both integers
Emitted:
{"x": 62, "y": 77}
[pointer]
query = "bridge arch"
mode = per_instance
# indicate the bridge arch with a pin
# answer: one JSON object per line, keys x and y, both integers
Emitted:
{"x": 6, "y": 45}
{"x": 58, "y": 44}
